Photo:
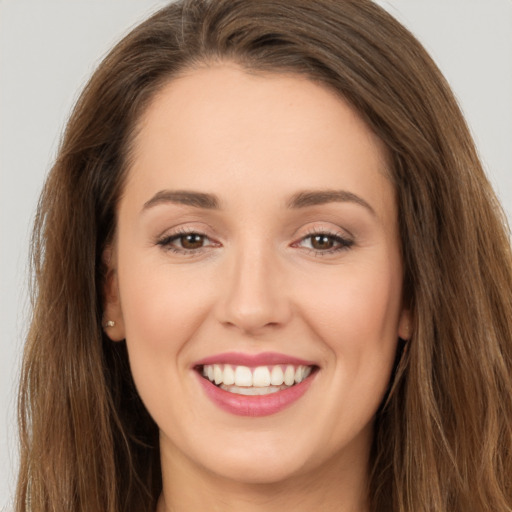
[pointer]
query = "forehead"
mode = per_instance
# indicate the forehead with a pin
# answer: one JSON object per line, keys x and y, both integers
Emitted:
{"x": 224, "y": 128}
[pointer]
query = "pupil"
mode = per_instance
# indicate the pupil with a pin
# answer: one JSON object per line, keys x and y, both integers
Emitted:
{"x": 192, "y": 241}
{"x": 322, "y": 242}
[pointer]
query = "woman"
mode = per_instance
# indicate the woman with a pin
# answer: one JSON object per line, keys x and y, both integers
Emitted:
{"x": 276, "y": 276}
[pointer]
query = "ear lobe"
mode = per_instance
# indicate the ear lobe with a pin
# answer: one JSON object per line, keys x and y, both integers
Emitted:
{"x": 113, "y": 323}
{"x": 404, "y": 325}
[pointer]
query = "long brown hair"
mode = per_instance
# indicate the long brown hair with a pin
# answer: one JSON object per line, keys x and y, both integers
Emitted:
{"x": 443, "y": 439}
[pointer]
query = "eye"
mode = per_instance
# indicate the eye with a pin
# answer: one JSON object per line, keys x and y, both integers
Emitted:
{"x": 191, "y": 241}
{"x": 185, "y": 242}
{"x": 325, "y": 243}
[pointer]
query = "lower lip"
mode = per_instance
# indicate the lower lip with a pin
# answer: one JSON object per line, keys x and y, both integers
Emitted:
{"x": 257, "y": 405}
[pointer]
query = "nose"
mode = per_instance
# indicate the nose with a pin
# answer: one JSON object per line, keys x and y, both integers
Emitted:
{"x": 254, "y": 295}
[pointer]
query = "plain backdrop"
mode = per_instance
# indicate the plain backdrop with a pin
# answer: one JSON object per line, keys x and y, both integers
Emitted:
{"x": 49, "y": 48}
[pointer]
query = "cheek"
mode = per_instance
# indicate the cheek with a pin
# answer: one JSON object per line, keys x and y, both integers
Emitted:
{"x": 355, "y": 314}
{"x": 162, "y": 309}
{"x": 160, "y": 304}
{"x": 361, "y": 303}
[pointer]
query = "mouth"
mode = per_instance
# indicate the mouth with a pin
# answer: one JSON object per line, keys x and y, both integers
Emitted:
{"x": 255, "y": 381}
{"x": 254, "y": 385}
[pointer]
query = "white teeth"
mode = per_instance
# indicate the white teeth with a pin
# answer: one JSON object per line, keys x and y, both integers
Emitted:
{"x": 218, "y": 374}
{"x": 261, "y": 377}
{"x": 289, "y": 375}
{"x": 253, "y": 391}
{"x": 267, "y": 378}
{"x": 243, "y": 376}
{"x": 277, "y": 376}
{"x": 229, "y": 375}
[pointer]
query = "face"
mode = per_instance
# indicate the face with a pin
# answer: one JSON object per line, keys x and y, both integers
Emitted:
{"x": 257, "y": 247}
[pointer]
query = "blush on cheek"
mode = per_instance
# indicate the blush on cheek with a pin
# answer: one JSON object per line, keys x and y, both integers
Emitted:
{"x": 163, "y": 311}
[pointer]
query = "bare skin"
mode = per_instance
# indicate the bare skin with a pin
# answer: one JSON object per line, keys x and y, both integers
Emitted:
{"x": 270, "y": 262}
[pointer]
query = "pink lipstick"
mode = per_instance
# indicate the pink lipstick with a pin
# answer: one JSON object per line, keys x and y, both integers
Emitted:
{"x": 254, "y": 384}
{"x": 252, "y": 360}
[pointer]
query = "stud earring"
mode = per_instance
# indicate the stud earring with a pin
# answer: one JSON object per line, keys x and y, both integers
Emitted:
{"x": 109, "y": 323}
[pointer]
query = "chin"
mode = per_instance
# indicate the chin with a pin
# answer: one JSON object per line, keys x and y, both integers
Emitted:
{"x": 252, "y": 460}
{"x": 259, "y": 471}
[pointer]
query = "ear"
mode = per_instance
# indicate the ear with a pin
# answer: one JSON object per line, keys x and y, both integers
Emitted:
{"x": 405, "y": 325}
{"x": 113, "y": 323}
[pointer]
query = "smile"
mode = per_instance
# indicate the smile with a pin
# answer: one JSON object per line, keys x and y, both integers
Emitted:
{"x": 261, "y": 380}
{"x": 254, "y": 385}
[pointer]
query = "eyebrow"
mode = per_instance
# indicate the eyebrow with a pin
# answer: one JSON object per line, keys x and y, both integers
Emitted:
{"x": 185, "y": 197}
{"x": 308, "y": 198}
{"x": 303, "y": 199}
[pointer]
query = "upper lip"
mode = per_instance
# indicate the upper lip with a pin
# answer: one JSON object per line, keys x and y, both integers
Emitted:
{"x": 253, "y": 360}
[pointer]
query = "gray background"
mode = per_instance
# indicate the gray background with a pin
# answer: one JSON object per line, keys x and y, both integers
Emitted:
{"x": 49, "y": 48}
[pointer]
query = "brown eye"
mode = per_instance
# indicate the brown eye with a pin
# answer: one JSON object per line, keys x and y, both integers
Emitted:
{"x": 186, "y": 243}
{"x": 192, "y": 241}
{"x": 325, "y": 243}
{"x": 322, "y": 242}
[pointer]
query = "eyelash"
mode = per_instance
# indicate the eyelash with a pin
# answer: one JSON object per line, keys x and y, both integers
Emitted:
{"x": 343, "y": 243}
{"x": 166, "y": 242}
